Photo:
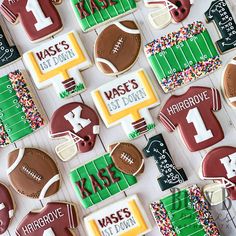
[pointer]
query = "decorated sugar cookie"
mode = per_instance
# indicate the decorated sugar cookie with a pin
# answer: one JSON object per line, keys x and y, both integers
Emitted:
{"x": 229, "y": 83}
{"x": 117, "y": 47}
{"x": 92, "y": 13}
{"x": 33, "y": 173}
{"x": 126, "y": 217}
{"x": 184, "y": 212}
{"x": 39, "y": 17}
{"x": 219, "y": 165}
{"x": 127, "y": 158}
{"x": 98, "y": 180}
{"x": 127, "y": 101}
{"x": 220, "y": 14}
{"x": 8, "y": 54}
{"x": 58, "y": 63}
{"x": 56, "y": 218}
{"x": 78, "y": 125}
{"x": 170, "y": 175}
{"x": 168, "y": 11}
{"x": 7, "y": 208}
{"x": 182, "y": 57}
{"x": 192, "y": 113}
{"x": 19, "y": 114}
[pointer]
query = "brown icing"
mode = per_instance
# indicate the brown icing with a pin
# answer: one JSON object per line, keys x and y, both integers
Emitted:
{"x": 118, "y": 47}
{"x": 32, "y": 173}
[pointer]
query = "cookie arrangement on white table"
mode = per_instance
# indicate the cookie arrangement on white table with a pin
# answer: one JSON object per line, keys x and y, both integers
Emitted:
{"x": 102, "y": 162}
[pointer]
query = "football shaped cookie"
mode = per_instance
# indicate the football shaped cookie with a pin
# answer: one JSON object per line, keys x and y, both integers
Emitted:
{"x": 229, "y": 83}
{"x": 117, "y": 47}
{"x": 33, "y": 173}
{"x": 78, "y": 125}
{"x": 6, "y": 208}
{"x": 127, "y": 158}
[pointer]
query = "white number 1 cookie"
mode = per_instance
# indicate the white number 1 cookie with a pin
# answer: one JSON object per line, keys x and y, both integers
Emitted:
{"x": 57, "y": 63}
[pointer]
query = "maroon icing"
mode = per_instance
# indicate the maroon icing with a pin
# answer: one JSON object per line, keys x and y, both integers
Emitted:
{"x": 16, "y": 10}
{"x": 58, "y": 124}
{"x": 55, "y": 218}
{"x": 213, "y": 168}
{"x": 6, "y": 208}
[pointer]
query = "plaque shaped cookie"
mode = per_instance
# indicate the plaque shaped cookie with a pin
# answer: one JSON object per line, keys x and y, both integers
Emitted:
{"x": 182, "y": 57}
{"x": 229, "y": 83}
{"x": 58, "y": 63}
{"x": 8, "y": 54}
{"x": 184, "y": 212}
{"x": 127, "y": 158}
{"x": 39, "y": 17}
{"x": 117, "y": 47}
{"x": 171, "y": 176}
{"x": 78, "y": 125}
{"x": 127, "y": 101}
{"x": 98, "y": 180}
{"x": 219, "y": 165}
{"x": 192, "y": 113}
{"x": 19, "y": 114}
{"x": 7, "y": 208}
{"x": 33, "y": 173}
{"x": 220, "y": 14}
{"x": 56, "y": 218}
{"x": 126, "y": 217}
{"x": 168, "y": 11}
{"x": 92, "y": 13}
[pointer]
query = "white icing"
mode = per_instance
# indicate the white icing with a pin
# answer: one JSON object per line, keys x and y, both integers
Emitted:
{"x": 74, "y": 117}
{"x": 2, "y": 206}
{"x": 233, "y": 99}
{"x": 96, "y": 129}
{"x": 194, "y": 117}
{"x": 229, "y": 163}
{"x": 53, "y": 180}
{"x": 42, "y": 21}
{"x": 11, "y": 213}
{"x": 17, "y": 161}
{"x": 112, "y": 67}
{"x": 49, "y": 232}
{"x": 127, "y": 30}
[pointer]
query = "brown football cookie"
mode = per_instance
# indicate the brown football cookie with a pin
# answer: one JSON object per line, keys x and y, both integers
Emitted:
{"x": 127, "y": 158}
{"x": 229, "y": 82}
{"x": 117, "y": 47}
{"x": 33, "y": 173}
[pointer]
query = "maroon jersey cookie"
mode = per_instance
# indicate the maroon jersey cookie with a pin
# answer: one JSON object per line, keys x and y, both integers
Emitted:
{"x": 220, "y": 165}
{"x": 229, "y": 83}
{"x": 193, "y": 113}
{"x": 117, "y": 47}
{"x": 56, "y": 218}
{"x": 33, "y": 173}
{"x": 6, "y": 208}
{"x": 39, "y": 17}
{"x": 78, "y": 124}
{"x": 127, "y": 158}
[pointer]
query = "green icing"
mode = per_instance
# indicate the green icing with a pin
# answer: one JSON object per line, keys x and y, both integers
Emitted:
{"x": 80, "y": 87}
{"x": 183, "y": 216}
{"x": 136, "y": 134}
{"x": 12, "y": 116}
{"x": 92, "y": 168}
{"x": 183, "y": 55}
{"x": 100, "y": 16}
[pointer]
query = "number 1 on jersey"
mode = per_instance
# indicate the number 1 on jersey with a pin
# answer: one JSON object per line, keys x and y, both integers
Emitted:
{"x": 42, "y": 21}
{"x": 194, "y": 117}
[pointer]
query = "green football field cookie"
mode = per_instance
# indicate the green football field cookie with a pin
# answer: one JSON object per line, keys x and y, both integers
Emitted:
{"x": 91, "y": 13}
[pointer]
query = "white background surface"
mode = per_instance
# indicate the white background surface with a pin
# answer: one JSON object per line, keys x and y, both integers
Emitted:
{"x": 147, "y": 187}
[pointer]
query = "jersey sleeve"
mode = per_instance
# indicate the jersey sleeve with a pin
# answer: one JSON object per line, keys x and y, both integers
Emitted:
{"x": 166, "y": 119}
{"x": 72, "y": 216}
{"x": 216, "y": 99}
{"x": 7, "y": 12}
